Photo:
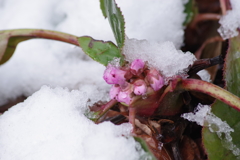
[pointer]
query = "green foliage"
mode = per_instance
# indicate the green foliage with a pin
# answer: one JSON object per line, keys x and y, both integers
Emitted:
{"x": 190, "y": 10}
{"x": 144, "y": 146}
{"x": 8, "y": 45}
{"x": 111, "y": 11}
{"x": 212, "y": 142}
{"x": 11, "y": 38}
{"x": 100, "y": 51}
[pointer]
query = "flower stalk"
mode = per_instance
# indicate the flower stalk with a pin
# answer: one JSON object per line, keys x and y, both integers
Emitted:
{"x": 212, "y": 90}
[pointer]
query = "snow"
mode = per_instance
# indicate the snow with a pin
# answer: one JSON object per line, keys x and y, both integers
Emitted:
{"x": 159, "y": 20}
{"x": 231, "y": 21}
{"x": 51, "y": 125}
{"x": 205, "y": 76}
{"x": 43, "y": 62}
{"x": 162, "y": 56}
{"x": 204, "y": 117}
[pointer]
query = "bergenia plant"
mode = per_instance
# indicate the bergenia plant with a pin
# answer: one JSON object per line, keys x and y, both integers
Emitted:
{"x": 144, "y": 96}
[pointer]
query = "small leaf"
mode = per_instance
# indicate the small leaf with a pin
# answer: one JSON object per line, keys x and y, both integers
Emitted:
{"x": 111, "y": 11}
{"x": 213, "y": 144}
{"x": 190, "y": 10}
{"x": 100, "y": 51}
{"x": 144, "y": 146}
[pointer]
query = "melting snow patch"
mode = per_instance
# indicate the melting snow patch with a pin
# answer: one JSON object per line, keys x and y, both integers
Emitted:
{"x": 231, "y": 21}
{"x": 205, "y": 76}
{"x": 51, "y": 125}
{"x": 163, "y": 56}
{"x": 204, "y": 117}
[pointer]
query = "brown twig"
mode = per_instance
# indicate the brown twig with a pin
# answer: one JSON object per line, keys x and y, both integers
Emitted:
{"x": 204, "y": 17}
{"x": 198, "y": 53}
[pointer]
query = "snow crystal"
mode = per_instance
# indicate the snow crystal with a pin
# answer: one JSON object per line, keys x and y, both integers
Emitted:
{"x": 51, "y": 125}
{"x": 163, "y": 56}
{"x": 231, "y": 21}
{"x": 203, "y": 116}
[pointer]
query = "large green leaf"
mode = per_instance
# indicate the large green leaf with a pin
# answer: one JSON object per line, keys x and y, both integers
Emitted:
{"x": 213, "y": 144}
{"x": 100, "y": 51}
{"x": 111, "y": 11}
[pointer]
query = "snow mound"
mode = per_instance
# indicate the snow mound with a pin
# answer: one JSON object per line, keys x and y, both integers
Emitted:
{"x": 158, "y": 20}
{"x": 51, "y": 125}
{"x": 162, "y": 56}
{"x": 231, "y": 21}
{"x": 204, "y": 117}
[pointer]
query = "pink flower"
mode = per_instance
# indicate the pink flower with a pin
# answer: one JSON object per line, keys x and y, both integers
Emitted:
{"x": 114, "y": 91}
{"x": 140, "y": 87}
{"x": 137, "y": 66}
{"x": 114, "y": 75}
{"x": 125, "y": 95}
{"x": 155, "y": 79}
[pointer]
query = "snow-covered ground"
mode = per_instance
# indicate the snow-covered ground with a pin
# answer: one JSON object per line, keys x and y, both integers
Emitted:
{"x": 51, "y": 124}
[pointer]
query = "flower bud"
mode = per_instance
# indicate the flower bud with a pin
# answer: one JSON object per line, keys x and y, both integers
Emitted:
{"x": 114, "y": 75}
{"x": 155, "y": 80}
{"x": 140, "y": 87}
{"x": 137, "y": 66}
{"x": 125, "y": 95}
{"x": 114, "y": 91}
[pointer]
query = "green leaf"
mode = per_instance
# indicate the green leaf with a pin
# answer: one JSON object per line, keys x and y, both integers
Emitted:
{"x": 100, "y": 51}
{"x": 190, "y": 11}
{"x": 212, "y": 142}
{"x": 9, "y": 39}
{"x": 8, "y": 45}
{"x": 111, "y": 11}
{"x": 148, "y": 155}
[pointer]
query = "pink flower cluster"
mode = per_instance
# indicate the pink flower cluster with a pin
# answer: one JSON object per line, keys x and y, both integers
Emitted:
{"x": 133, "y": 81}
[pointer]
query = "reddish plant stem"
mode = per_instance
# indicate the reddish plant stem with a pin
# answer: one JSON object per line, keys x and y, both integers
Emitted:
{"x": 106, "y": 107}
{"x": 223, "y": 6}
{"x": 204, "y": 17}
{"x": 212, "y": 90}
{"x": 132, "y": 115}
{"x": 198, "y": 53}
{"x": 41, "y": 33}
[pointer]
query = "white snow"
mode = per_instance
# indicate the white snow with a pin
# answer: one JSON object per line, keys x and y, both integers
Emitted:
{"x": 205, "y": 76}
{"x": 51, "y": 125}
{"x": 41, "y": 62}
{"x": 204, "y": 117}
{"x": 162, "y": 56}
{"x": 231, "y": 21}
{"x": 158, "y": 20}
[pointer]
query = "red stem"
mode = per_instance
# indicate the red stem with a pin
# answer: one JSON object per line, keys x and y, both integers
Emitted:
{"x": 212, "y": 90}
{"x": 41, "y": 33}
